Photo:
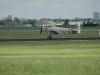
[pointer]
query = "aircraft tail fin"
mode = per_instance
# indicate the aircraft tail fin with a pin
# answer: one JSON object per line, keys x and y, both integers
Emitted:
{"x": 79, "y": 28}
{"x": 76, "y": 28}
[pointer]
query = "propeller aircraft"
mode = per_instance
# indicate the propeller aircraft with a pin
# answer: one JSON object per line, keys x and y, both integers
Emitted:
{"x": 54, "y": 30}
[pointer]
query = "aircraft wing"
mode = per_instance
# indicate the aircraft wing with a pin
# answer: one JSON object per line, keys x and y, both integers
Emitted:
{"x": 53, "y": 32}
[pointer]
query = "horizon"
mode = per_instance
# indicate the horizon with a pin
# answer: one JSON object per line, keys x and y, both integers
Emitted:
{"x": 4, "y": 18}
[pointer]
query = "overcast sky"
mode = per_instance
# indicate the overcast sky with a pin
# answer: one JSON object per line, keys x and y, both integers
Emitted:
{"x": 37, "y": 9}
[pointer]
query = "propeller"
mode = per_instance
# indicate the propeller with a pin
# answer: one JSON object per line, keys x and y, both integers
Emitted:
{"x": 41, "y": 30}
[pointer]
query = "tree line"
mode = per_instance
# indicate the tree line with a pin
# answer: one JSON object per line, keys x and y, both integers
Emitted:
{"x": 33, "y": 21}
{"x": 28, "y": 21}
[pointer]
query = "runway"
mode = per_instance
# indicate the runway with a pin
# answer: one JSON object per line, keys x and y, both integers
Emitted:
{"x": 53, "y": 39}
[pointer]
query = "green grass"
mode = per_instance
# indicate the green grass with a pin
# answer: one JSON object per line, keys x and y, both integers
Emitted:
{"x": 19, "y": 28}
{"x": 50, "y": 58}
{"x": 36, "y": 34}
{"x": 50, "y": 65}
{"x": 49, "y": 48}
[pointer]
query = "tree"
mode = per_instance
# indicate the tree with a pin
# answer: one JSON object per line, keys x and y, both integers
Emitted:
{"x": 29, "y": 21}
{"x": 24, "y": 22}
{"x": 34, "y": 21}
{"x": 8, "y": 20}
{"x": 66, "y": 22}
{"x": 1, "y": 23}
{"x": 17, "y": 20}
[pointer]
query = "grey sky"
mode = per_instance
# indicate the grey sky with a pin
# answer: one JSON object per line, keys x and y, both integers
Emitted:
{"x": 31, "y": 9}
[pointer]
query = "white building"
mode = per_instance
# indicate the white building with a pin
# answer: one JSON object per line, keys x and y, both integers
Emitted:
{"x": 10, "y": 17}
{"x": 44, "y": 23}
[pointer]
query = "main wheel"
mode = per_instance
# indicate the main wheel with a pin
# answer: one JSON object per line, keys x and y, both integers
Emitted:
{"x": 49, "y": 37}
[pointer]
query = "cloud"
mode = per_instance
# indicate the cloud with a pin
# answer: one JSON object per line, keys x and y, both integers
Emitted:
{"x": 48, "y": 8}
{"x": 50, "y": 4}
{"x": 3, "y": 1}
{"x": 39, "y": 3}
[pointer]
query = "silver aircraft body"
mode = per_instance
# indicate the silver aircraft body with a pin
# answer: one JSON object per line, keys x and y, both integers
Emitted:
{"x": 54, "y": 30}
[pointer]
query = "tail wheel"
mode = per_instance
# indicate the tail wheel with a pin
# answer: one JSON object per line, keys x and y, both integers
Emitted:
{"x": 49, "y": 37}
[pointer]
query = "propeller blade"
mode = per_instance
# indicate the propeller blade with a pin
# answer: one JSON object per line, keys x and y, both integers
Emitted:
{"x": 41, "y": 30}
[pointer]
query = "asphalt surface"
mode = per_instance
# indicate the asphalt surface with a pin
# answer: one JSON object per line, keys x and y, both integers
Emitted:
{"x": 53, "y": 39}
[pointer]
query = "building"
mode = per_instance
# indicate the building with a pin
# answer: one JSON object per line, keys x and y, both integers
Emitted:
{"x": 96, "y": 15}
{"x": 45, "y": 23}
{"x": 23, "y": 19}
{"x": 10, "y": 17}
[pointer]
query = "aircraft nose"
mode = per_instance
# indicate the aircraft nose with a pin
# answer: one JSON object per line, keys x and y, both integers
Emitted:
{"x": 44, "y": 28}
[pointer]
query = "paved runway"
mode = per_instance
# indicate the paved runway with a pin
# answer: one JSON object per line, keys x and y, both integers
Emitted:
{"x": 53, "y": 39}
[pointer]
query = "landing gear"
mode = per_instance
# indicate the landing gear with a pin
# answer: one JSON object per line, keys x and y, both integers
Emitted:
{"x": 49, "y": 37}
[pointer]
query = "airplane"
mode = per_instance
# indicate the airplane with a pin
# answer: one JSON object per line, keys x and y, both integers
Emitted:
{"x": 54, "y": 30}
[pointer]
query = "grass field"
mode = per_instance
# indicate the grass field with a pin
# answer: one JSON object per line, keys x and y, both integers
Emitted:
{"x": 50, "y": 58}
{"x": 36, "y": 34}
